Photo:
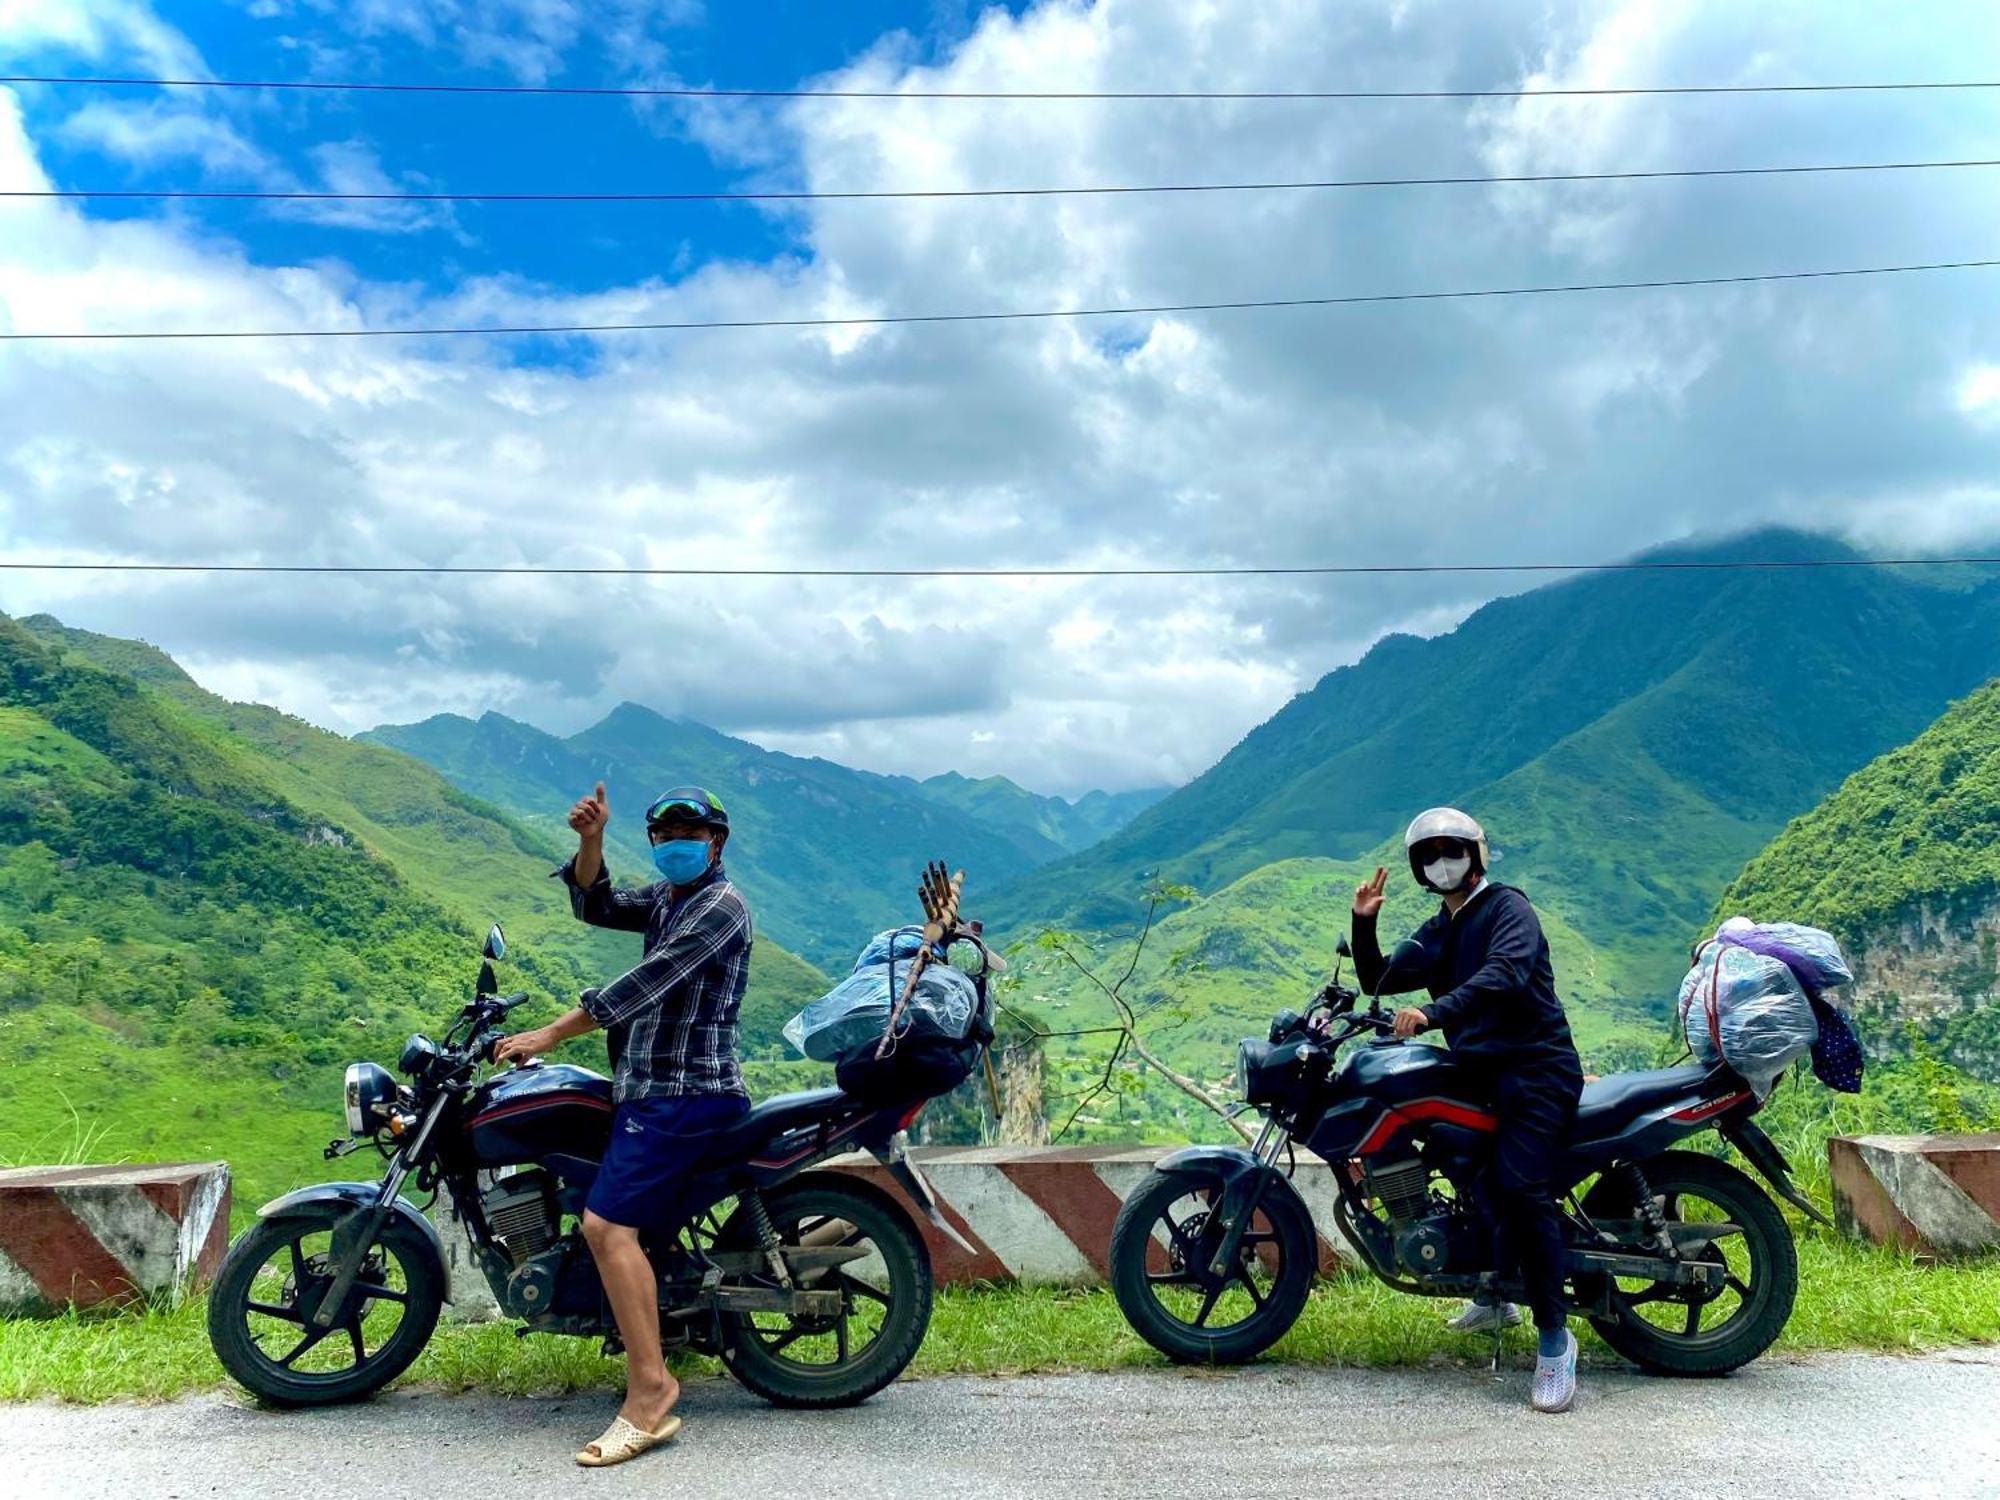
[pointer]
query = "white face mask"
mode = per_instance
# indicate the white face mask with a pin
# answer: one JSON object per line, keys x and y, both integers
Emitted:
{"x": 1447, "y": 874}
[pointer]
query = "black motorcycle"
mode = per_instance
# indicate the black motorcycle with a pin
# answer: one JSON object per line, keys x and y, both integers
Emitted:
{"x": 812, "y": 1287}
{"x": 1682, "y": 1262}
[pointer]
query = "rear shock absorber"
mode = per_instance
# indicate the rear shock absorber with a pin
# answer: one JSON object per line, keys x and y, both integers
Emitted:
{"x": 767, "y": 1236}
{"x": 1648, "y": 1209}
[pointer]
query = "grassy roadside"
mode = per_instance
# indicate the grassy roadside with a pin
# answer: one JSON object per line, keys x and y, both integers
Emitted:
{"x": 1850, "y": 1297}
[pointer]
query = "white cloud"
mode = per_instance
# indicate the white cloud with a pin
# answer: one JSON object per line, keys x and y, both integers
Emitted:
{"x": 160, "y": 130}
{"x": 100, "y": 29}
{"x": 1547, "y": 428}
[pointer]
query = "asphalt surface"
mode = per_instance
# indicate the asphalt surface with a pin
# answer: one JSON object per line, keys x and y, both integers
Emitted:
{"x": 1848, "y": 1425}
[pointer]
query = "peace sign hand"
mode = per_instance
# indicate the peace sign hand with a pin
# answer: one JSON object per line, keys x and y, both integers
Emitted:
{"x": 1368, "y": 895}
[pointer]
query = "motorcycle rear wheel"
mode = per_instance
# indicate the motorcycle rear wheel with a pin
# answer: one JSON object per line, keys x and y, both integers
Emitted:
{"x": 1160, "y": 1244}
{"x": 270, "y": 1284}
{"x": 1685, "y": 1331}
{"x": 824, "y": 1362}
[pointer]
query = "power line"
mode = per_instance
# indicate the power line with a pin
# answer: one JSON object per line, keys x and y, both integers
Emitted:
{"x": 1640, "y": 565}
{"x": 688, "y": 92}
{"x": 888, "y": 320}
{"x": 780, "y": 195}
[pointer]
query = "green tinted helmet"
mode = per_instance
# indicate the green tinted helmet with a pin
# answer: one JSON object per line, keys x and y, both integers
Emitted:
{"x": 689, "y": 804}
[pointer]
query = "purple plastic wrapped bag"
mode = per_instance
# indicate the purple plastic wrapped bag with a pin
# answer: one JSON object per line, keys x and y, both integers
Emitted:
{"x": 1813, "y": 956}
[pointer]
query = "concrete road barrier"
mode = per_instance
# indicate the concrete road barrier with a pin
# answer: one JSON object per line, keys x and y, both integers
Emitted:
{"x": 1044, "y": 1214}
{"x": 77, "y": 1236}
{"x": 1936, "y": 1194}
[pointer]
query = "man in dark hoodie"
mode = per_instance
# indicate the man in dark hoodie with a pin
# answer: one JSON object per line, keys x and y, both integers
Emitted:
{"x": 1485, "y": 963}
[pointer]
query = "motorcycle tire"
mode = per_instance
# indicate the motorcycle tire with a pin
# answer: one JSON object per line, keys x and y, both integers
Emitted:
{"x": 230, "y": 1302}
{"x": 1294, "y": 1239}
{"x": 1771, "y": 1257}
{"x": 902, "y": 1290}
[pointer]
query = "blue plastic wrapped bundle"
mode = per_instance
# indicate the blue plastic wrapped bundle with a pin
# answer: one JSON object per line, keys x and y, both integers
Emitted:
{"x": 851, "y": 1016}
{"x": 1746, "y": 1009}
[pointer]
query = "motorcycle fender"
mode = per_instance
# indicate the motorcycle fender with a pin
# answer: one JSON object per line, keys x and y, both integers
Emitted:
{"x": 895, "y": 1159}
{"x": 350, "y": 1198}
{"x": 1762, "y": 1153}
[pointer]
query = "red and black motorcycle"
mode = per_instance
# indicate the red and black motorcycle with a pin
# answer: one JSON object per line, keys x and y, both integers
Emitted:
{"x": 812, "y": 1287}
{"x": 1681, "y": 1261}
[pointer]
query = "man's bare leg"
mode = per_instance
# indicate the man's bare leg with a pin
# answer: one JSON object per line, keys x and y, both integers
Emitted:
{"x": 629, "y": 1283}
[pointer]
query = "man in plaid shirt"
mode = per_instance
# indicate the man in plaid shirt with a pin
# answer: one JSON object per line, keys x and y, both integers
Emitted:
{"x": 670, "y": 1025}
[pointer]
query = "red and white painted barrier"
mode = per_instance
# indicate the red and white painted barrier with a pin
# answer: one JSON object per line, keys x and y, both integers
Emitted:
{"x": 1044, "y": 1214}
{"x": 82, "y": 1235}
{"x": 1935, "y": 1194}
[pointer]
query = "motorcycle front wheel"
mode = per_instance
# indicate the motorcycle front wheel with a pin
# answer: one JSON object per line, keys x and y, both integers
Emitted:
{"x": 272, "y": 1282}
{"x": 1695, "y": 1330}
{"x": 1162, "y": 1246}
{"x": 821, "y": 1361}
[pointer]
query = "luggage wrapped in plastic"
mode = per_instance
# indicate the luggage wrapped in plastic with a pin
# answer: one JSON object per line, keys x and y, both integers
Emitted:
{"x": 853, "y": 1014}
{"x": 1746, "y": 1009}
{"x": 1813, "y": 956}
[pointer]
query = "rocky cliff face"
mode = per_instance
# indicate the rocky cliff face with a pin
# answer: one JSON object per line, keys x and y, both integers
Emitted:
{"x": 1936, "y": 966}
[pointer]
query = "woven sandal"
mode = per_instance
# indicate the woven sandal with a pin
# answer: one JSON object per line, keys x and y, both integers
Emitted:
{"x": 622, "y": 1441}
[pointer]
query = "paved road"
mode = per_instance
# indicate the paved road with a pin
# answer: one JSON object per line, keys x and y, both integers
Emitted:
{"x": 1850, "y": 1425}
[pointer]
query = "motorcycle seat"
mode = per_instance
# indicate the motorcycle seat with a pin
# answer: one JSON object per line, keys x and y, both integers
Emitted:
{"x": 779, "y": 1113}
{"x": 1610, "y": 1103}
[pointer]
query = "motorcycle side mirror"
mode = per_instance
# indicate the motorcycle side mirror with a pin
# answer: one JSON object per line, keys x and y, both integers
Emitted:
{"x": 488, "y": 984}
{"x": 1342, "y": 948}
{"x": 495, "y": 946}
{"x": 967, "y": 955}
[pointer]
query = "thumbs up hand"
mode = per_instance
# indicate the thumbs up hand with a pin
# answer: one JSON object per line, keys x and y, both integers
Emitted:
{"x": 590, "y": 815}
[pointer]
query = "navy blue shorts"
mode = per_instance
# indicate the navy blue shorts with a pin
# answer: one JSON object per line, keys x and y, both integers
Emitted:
{"x": 654, "y": 1144}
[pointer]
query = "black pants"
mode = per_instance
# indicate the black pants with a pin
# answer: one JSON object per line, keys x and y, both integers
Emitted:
{"x": 1535, "y": 1107}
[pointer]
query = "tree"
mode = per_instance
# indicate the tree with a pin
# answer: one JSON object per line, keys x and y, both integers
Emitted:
{"x": 1129, "y": 1025}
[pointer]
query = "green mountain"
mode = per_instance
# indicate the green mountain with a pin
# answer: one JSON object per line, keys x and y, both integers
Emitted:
{"x": 207, "y": 908}
{"x": 1044, "y": 828}
{"x": 1629, "y": 738}
{"x": 827, "y": 855}
{"x": 1902, "y": 863}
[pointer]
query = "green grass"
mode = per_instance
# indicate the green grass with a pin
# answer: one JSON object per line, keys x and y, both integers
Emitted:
{"x": 1850, "y": 1297}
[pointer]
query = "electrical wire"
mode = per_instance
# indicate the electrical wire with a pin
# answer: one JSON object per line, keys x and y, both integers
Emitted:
{"x": 1325, "y": 570}
{"x": 687, "y": 325}
{"x": 780, "y": 195}
{"x": 695, "y": 92}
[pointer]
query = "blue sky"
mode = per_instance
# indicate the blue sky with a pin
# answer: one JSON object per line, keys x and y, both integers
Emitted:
{"x": 1524, "y": 431}
{"x": 482, "y": 143}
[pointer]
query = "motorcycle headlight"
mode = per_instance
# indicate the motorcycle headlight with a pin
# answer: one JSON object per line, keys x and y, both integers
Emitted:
{"x": 367, "y": 1091}
{"x": 1243, "y": 1070}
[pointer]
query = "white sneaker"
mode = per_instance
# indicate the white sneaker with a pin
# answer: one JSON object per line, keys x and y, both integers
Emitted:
{"x": 1480, "y": 1317}
{"x": 1555, "y": 1379}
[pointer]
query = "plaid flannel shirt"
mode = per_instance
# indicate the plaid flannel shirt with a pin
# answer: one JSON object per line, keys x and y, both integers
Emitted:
{"x": 670, "y": 1023}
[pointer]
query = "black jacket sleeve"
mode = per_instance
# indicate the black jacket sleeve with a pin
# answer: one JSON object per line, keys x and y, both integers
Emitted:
{"x": 601, "y": 906}
{"x": 1412, "y": 969}
{"x": 1513, "y": 940}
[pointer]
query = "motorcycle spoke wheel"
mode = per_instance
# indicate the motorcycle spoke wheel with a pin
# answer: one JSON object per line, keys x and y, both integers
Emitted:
{"x": 286, "y": 1290}
{"x": 1696, "y": 1314}
{"x": 835, "y": 1358}
{"x": 1188, "y": 1290}
{"x": 819, "y": 1341}
{"x": 1694, "y": 1329}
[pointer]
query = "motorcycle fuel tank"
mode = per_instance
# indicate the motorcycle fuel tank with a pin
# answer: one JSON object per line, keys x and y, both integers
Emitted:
{"x": 532, "y": 1113}
{"x": 1379, "y": 1089}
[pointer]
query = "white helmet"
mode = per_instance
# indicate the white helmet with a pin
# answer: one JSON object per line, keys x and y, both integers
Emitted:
{"x": 1445, "y": 823}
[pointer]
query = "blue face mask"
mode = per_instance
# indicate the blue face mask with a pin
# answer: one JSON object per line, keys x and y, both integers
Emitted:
{"x": 681, "y": 861}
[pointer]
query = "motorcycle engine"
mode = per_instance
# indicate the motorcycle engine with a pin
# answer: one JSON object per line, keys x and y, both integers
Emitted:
{"x": 521, "y": 1212}
{"x": 560, "y": 1282}
{"x": 1430, "y": 1235}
